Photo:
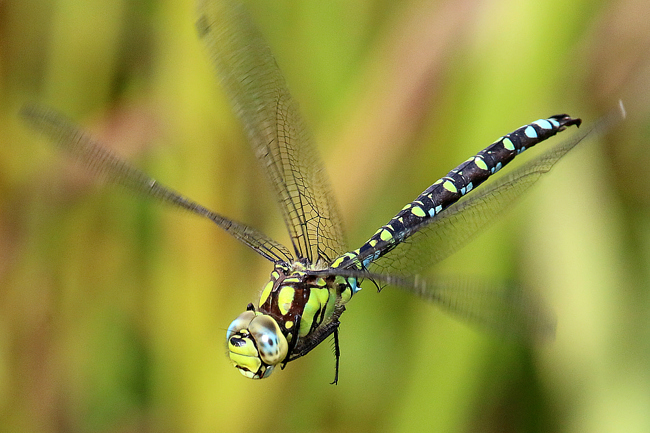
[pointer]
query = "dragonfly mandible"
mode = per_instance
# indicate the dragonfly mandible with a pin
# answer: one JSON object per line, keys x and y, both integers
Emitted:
{"x": 317, "y": 275}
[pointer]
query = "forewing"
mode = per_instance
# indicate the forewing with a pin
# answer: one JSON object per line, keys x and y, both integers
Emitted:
{"x": 259, "y": 95}
{"x": 108, "y": 166}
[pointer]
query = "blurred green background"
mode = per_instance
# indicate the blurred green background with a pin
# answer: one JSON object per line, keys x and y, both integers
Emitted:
{"x": 113, "y": 309}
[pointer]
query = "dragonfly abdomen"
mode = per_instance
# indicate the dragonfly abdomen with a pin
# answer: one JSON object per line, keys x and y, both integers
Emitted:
{"x": 450, "y": 188}
{"x": 477, "y": 169}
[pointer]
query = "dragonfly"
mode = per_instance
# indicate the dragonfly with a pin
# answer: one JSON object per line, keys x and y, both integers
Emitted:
{"x": 316, "y": 275}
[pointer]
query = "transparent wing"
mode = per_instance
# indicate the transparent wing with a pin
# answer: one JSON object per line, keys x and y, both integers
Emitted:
{"x": 259, "y": 95}
{"x": 107, "y": 165}
{"x": 506, "y": 309}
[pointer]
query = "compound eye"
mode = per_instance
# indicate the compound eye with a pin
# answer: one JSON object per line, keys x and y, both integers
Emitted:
{"x": 241, "y": 322}
{"x": 271, "y": 344}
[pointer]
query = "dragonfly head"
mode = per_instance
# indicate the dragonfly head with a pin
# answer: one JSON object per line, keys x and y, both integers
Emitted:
{"x": 256, "y": 344}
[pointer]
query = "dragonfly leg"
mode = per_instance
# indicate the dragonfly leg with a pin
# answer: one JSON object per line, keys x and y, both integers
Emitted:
{"x": 337, "y": 354}
{"x": 306, "y": 344}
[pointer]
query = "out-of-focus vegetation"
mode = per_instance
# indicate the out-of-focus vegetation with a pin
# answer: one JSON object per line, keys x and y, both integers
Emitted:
{"x": 113, "y": 310}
